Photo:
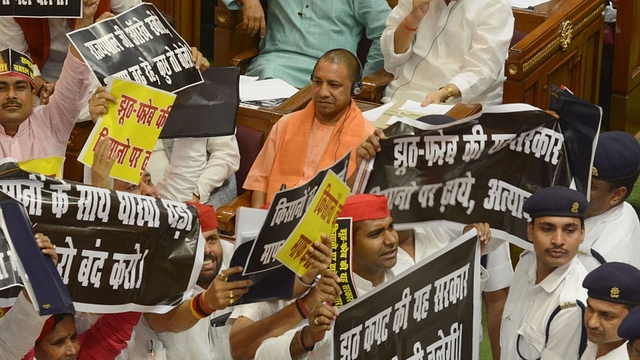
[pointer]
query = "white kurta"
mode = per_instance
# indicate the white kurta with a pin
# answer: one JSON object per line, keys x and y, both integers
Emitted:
{"x": 614, "y": 234}
{"x": 438, "y": 234}
{"x": 529, "y": 307}
{"x": 464, "y": 43}
{"x": 190, "y": 168}
{"x": 19, "y": 329}
{"x": 278, "y": 347}
{"x": 201, "y": 341}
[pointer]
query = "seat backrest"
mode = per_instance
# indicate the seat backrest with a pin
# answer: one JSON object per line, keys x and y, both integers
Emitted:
{"x": 249, "y": 143}
{"x": 517, "y": 36}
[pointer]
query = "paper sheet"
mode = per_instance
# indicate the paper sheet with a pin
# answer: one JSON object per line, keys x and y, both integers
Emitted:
{"x": 265, "y": 90}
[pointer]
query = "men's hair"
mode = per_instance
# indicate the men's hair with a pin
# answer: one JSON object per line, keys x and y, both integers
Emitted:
{"x": 342, "y": 56}
{"x": 627, "y": 183}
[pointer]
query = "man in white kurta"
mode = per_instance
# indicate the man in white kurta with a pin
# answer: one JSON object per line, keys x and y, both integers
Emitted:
{"x": 192, "y": 338}
{"x": 444, "y": 49}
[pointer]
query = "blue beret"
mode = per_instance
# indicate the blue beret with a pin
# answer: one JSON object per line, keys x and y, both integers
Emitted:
{"x": 436, "y": 119}
{"x": 630, "y": 326}
{"x": 556, "y": 201}
{"x": 617, "y": 156}
{"x": 614, "y": 282}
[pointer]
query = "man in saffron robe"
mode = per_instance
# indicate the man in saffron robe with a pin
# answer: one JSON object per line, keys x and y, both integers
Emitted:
{"x": 309, "y": 140}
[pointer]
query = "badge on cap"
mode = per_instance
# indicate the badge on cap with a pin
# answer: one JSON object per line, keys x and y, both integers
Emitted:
{"x": 615, "y": 293}
{"x": 575, "y": 207}
{"x": 594, "y": 171}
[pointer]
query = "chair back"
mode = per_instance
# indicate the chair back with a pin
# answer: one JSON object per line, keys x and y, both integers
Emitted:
{"x": 249, "y": 143}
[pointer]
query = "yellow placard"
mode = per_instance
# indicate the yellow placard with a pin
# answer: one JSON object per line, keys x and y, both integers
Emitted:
{"x": 133, "y": 123}
{"x": 50, "y": 166}
{"x": 318, "y": 219}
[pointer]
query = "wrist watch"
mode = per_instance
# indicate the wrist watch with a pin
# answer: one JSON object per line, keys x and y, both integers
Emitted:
{"x": 450, "y": 93}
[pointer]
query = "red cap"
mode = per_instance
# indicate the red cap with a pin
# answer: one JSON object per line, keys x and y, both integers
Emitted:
{"x": 365, "y": 207}
{"x": 207, "y": 215}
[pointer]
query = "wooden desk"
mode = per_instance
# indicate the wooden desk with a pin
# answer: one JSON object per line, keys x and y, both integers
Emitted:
{"x": 563, "y": 49}
{"x": 528, "y": 20}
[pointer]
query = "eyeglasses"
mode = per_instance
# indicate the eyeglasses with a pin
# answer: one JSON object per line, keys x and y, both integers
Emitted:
{"x": 635, "y": 351}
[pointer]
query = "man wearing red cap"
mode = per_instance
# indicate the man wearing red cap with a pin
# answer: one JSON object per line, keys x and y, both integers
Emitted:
{"x": 185, "y": 331}
{"x": 375, "y": 244}
{"x": 376, "y": 249}
{"x": 30, "y": 132}
{"x": 496, "y": 263}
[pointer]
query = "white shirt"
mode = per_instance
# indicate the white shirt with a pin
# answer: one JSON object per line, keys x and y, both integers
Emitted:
{"x": 280, "y": 344}
{"x": 529, "y": 307}
{"x": 201, "y": 341}
{"x": 438, "y": 234}
{"x": 614, "y": 235}
{"x": 619, "y": 353}
{"x": 469, "y": 51}
{"x": 19, "y": 329}
{"x": 189, "y": 167}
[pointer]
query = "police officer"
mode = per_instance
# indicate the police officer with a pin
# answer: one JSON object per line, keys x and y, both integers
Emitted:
{"x": 613, "y": 289}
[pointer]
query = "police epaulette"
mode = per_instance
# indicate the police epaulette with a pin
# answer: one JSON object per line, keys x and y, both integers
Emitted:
{"x": 567, "y": 305}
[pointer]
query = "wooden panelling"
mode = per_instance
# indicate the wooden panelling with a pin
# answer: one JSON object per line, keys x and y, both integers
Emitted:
{"x": 564, "y": 50}
{"x": 625, "y": 99}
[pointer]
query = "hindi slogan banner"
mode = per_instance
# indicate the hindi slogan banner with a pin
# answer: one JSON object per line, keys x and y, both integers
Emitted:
{"x": 429, "y": 312}
{"x": 271, "y": 279}
{"x": 475, "y": 170}
{"x": 117, "y": 251}
{"x": 41, "y": 8}
{"x": 133, "y": 123}
{"x": 320, "y": 218}
{"x": 138, "y": 45}
{"x": 342, "y": 258}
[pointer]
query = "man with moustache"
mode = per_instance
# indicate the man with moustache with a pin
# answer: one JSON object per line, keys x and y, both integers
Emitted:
{"x": 278, "y": 329}
{"x": 613, "y": 290}
{"x": 185, "y": 331}
{"x": 376, "y": 246}
{"x": 542, "y": 317}
{"x": 612, "y": 223}
{"x": 28, "y": 131}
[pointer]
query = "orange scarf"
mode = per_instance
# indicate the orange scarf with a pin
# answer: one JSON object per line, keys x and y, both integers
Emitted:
{"x": 347, "y": 134}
